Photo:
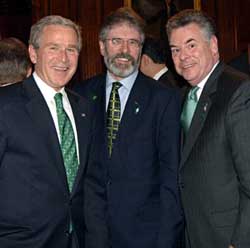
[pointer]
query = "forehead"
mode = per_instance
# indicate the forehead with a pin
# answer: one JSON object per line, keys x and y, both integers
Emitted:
{"x": 188, "y": 32}
{"x": 124, "y": 30}
{"x": 58, "y": 33}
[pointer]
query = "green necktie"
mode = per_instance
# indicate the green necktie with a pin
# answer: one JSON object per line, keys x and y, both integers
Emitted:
{"x": 189, "y": 108}
{"x": 68, "y": 144}
{"x": 113, "y": 115}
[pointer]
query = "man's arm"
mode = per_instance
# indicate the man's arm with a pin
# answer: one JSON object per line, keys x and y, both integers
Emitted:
{"x": 169, "y": 147}
{"x": 95, "y": 210}
{"x": 238, "y": 128}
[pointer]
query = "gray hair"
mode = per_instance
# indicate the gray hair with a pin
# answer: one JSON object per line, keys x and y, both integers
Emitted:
{"x": 37, "y": 29}
{"x": 190, "y": 16}
{"x": 123, "y": 15}
{"x": 14, "y": 60}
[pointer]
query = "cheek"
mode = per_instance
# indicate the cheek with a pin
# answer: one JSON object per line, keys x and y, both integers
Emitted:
{"x": 74, "y": 60}
{"x": 176, "y": 61}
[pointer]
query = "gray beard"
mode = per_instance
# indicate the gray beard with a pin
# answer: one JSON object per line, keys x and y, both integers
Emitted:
{"x": 122, "y": 71}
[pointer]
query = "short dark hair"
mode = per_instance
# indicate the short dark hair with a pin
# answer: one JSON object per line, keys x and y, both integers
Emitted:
{"x": 189, "y": 16}
{"x": 14, "y": 60}
{"x": 122, "y": 15}
{"x": 155, "y": 49}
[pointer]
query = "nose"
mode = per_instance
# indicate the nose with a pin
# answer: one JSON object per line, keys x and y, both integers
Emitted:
{"x": 124, "y": 46}
{"x": 63, "y": 55}
{"x": 183, "y": 54}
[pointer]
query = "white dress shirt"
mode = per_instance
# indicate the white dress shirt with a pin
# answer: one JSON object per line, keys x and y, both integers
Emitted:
{"x": 160, "y": 73}
{"x": 48, "y": 94}
{"x": 124, "y": 90}
{"x": 201, "y": 85}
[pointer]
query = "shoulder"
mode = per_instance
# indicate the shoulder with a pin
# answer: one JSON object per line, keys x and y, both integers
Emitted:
{"x": 157, "y": 89}
{"x": 10, "y": 93}
{"x": 88, "y": 86}
{"x": 230, "y": 80}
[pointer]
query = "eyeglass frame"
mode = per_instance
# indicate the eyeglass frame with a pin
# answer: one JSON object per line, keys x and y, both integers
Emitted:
{"x": 117, "y": 42}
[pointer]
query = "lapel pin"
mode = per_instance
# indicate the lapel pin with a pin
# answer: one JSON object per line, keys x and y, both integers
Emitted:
{"x": 205, "y": 107}
{"x": 83, "y": 115}
{"x": 137, "y": 108}
{"x": 94, "y": 97}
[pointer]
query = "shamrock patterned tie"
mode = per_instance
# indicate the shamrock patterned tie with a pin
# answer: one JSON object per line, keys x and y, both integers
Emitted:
{"x": 113, "y": 115}
{"x": 68, "y": 145}
{"x": 189, "y": 108}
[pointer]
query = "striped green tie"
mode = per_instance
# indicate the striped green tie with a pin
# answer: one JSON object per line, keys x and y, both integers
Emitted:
{"x": 113, "y": 115}
{"x": 189, "y": 108}
{"x": 68, "y": 144}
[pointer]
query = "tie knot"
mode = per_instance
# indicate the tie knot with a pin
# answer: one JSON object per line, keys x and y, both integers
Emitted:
{"x": 193, "y": 93}
{"x": 58, "y": 100}
{"x": 116, "y": 85}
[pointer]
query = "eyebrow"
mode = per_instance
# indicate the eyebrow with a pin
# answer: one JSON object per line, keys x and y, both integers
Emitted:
{"x": 186, "y": 42}
{"x": 190, "y": 40}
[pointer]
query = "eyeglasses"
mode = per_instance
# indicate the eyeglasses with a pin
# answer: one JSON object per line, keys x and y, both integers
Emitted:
{"x": 118, "y": 42}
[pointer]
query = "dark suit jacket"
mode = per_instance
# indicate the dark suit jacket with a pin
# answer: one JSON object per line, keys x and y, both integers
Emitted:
{"x": 36, "y": 207}
{"x": 168, "y": 79}
{"x": 132, "y": 199}
{"x": 215, "y": 164}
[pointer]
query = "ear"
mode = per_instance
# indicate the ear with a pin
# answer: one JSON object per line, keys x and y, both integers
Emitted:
{"x": 147, "y": 59}
{"x": 33, "y": 54}
{"x": 102, "y": 47}
{"x": 143, "y": 60}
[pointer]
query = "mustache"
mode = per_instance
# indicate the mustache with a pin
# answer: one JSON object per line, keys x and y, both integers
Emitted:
{"x": 123, "y": 56}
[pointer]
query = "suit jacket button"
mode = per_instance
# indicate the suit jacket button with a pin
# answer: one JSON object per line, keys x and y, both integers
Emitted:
{"x": 181, "y": 185}
{"x": 67, "y": 233}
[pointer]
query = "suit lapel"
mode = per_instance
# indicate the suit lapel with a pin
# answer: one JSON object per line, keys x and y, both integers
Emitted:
{"x": 134, "y": 110}
{"x": 201, "y": 113}
{"x": 82, "y": 120}
{"x": 44, "y": 125}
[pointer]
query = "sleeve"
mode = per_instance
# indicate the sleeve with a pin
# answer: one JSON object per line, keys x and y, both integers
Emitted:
{"x": 169, "y": 147}
{"x": 238, "y": 125}
{"x": 95, "y": 202}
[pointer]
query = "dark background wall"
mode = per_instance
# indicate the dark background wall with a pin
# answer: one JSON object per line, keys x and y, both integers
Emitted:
{"x": 16, "y": 17}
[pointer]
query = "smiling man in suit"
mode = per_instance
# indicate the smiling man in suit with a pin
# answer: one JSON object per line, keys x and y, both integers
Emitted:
{"x": 44, "y": 142}
{"x": 215, "y": 161}
{"x": 131, "y": 185}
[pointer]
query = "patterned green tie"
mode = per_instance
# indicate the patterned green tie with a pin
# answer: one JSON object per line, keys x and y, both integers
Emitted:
{"x": 189, "y": 108}
{"x": 113, "y": 115}
{"x": 68, "y": 144}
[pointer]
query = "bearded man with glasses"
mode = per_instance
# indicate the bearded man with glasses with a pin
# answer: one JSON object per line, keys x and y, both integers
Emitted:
{"x": 131, "y": 191}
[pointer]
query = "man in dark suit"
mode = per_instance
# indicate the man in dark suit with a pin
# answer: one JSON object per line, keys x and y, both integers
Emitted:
{"x": 41, "y": 169}
{"x": 215, "y": 163}
{"x": 131, "y": 184}
{"x": 153, "y": 62}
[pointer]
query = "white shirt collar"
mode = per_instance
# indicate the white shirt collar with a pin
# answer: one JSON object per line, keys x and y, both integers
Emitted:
{"x": 127, "y": 82}
{"x": 47, "y": 91}
{"x": 160, "y": 73}
{"x": 201, "y": 85}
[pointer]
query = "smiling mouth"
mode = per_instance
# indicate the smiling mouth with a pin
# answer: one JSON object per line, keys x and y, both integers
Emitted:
{"x": 122, "y": 60}
{"x": 187, "y": 66}
{"x": 60, "y": 68}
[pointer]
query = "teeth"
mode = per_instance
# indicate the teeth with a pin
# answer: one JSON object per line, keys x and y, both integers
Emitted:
{"x": 187, "y": 66}
{"x": 123, "y": 59}
{"x": 61, "y": 68}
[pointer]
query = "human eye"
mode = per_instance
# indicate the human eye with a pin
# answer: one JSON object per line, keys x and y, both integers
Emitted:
{"x": 134, "y": 43}
{"x": 53, "y": 48}
{"x": 191, "y": 45}
{"x": 72, "y": 49}
{"x": 175, "y": 51}
{"x": 116, "y": 41}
